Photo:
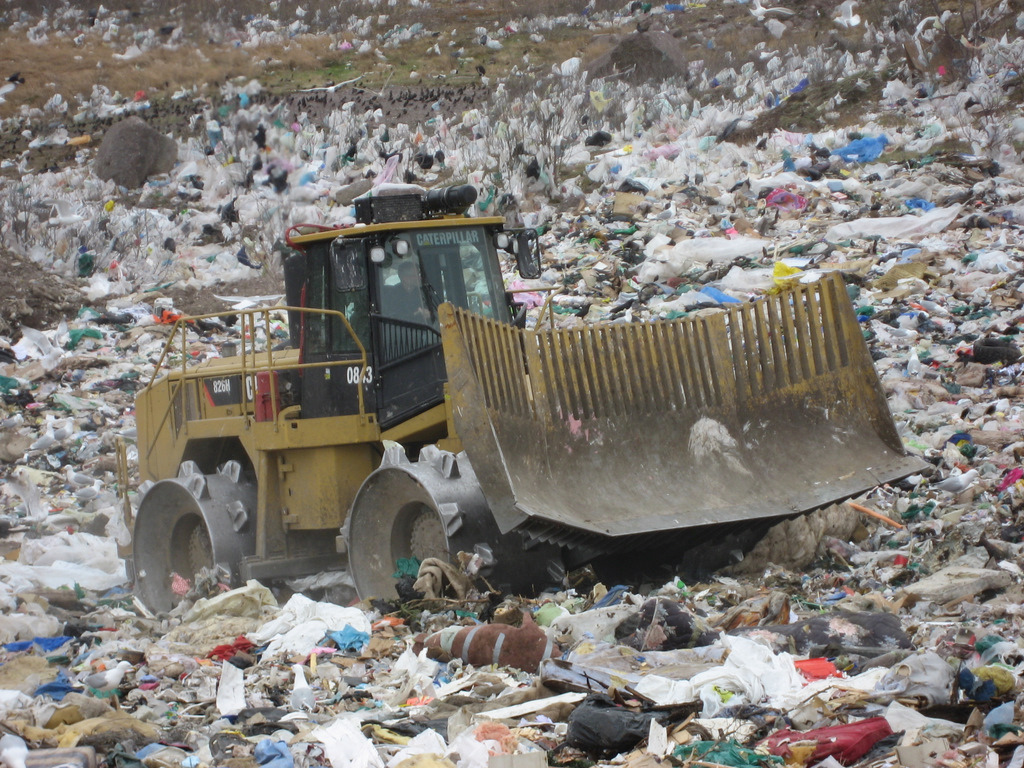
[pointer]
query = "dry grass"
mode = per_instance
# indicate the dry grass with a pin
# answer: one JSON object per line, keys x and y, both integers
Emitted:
{"x": 212, "y": 54}
{"x": 72, "y": 70}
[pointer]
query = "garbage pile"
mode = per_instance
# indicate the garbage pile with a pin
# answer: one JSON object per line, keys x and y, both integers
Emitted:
{"x": 883, "y": 631}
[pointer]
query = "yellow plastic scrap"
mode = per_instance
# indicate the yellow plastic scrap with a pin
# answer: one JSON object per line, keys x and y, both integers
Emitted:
{"x": 116, "y": 722}
{"x": 1002, "y": 678}
{"x": 383, "y": 735}
{"x": 599, "y": 101}
{"x": 783, "y": 273}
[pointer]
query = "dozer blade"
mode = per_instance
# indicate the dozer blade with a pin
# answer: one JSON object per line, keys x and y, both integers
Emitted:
{"x": 765, "y": 410}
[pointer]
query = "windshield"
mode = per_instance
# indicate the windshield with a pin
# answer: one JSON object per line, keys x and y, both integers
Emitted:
{"x": 424, "y": 268}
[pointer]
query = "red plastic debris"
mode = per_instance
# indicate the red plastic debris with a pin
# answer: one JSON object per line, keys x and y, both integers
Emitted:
{"x": 846, "y": 743}
{"x": 816, "y": 669}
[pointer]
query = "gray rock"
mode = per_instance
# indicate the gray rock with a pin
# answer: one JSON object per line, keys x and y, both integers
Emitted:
{"x": 347, "y": 194}
{"x": 131, "y": 152}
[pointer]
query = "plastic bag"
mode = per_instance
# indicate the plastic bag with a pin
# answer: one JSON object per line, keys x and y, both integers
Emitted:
{"x": 846, "y": 743}
{"x": 663, "y": 264}
{"x": 80, "y": 548}
{"x": 927, "y": 675}
{"x": 346, "y": 747}
{"x": 862, "y": 150}
{"x": 751, "y": 673}
{"x": 785, "y": 200}
{"x": 911, "y": 225}
{"x": 600, "y": 726}
{"x": 302, "y": 623}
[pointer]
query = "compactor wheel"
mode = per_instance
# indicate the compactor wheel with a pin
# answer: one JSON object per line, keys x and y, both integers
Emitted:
{"x": 191, "y": 523}
{"x": 434, "y": 508}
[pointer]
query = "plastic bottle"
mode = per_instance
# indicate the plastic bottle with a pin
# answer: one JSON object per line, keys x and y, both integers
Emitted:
{"x": 913, "y": 364}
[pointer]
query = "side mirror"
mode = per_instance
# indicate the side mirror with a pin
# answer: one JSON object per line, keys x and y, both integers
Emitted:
{"x": 527, "y": 250}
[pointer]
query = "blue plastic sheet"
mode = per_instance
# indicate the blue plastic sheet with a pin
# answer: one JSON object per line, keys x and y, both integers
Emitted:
{"x": 56, "y": 689}
{"x": 716, "y": 295}
{"x": 612, "y": 596}
{"x": 862, "y": 150}
{"x": 349, "y": 639}
{"x": 919, "y": 204}
{"x": 46, "y": 644}
{"x": 273, "y": 754}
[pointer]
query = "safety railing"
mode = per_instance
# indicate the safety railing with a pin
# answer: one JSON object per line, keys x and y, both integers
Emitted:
{"x": 254, "y": 357}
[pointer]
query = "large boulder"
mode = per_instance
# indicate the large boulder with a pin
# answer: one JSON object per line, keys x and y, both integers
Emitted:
{"x": 131, "y": 152}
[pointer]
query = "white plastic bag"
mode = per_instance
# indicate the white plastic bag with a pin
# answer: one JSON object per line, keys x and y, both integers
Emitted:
{"x": 752, "y": 672}
{"x": 346, "y": 747}
{"x": 930, "y": 223}
{"x": 302, "y": 623}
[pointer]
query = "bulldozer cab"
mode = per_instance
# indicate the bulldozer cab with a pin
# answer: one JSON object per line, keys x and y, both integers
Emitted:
{"x": 388, "y": 280}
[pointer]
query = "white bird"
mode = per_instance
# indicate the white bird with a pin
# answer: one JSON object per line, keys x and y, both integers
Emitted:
{"x": 44, "y": 441}
{"x": 65, "y": 213}
{"x": 21, "y": 483}
{"x": 847, "y": 18}
{"x": 13, "y": 751}
{"x": 957, "y": 483}
{"x": 77, "y": 479}
{"x": 108, "y": 679}
{"x": 760, "y": 13}
{"x": 89, "y": 492}
{"x": 302, "y": 695}
{"x": 63, "y": 429}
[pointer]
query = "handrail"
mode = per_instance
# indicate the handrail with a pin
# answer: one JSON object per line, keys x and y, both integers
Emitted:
{"x": 249, "y": 324}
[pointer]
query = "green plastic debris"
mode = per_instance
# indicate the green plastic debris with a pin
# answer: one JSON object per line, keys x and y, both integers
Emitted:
{"x": 77, "y": 334}
{"x": 915, "y": 511}
{"x": 86, "y": 264}
{"x": 74, "y": 404}
{"x": 999, "y": 730}
{"x": 986, "y": 643}
{"x": 547, "y": 613}
{"x": 7, "y": 384}
{"x": 483, "y": 204}
{"x": 406, "y": 566}
{"x": 729, "y": 752}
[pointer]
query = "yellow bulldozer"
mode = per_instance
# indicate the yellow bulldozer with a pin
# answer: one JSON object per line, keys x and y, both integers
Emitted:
{"x": 405, "y": 412}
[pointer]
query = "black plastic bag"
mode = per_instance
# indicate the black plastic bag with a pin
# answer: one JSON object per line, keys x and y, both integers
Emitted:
{"x": 600, "y": 726}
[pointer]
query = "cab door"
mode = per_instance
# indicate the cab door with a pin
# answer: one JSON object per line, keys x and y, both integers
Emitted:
{"x": 406, "y": 337}
{"x": 337, "y": 280}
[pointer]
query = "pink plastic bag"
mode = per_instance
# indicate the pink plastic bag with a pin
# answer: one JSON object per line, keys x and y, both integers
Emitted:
{"x": 786, "y": 200}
